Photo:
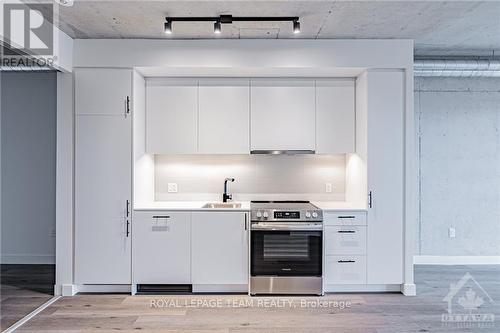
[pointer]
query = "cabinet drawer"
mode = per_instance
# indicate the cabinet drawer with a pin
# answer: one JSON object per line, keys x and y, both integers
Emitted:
{"x": 346, "y": 218}
{"x": 162, "y": 248}
{"x": 341, "y": 240}
{"x": 345, "y": 269}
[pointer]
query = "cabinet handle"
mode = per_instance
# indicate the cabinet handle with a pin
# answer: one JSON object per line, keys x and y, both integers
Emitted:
{"x": 128, "y": 210}
{"x": 161, "y": 217}
{"x": 370, "y": 199}
{"x": 346, "y": 217}
{"x": 127, "y": 109}
{"x": 128, "y": 231}
{"x": 346, "y": 261}
{"x": 246, "y": 224}
{"x": 346, "y": 231}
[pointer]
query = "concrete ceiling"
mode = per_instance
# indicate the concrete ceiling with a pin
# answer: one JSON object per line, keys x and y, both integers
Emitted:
{"x": 438, "y": 27}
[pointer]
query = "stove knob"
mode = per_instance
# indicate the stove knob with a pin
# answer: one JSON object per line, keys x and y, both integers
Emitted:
{"x": 266, "y": 215}
{"x": 259, "y": 214}
{"x": 315, "y": 215}
{"x": 308, "y": 214}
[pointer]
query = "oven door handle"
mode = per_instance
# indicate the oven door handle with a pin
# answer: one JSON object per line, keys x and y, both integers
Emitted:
{"x": 288, "y": 226}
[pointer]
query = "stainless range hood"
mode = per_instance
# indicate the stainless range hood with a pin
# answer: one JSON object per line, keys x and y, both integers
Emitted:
{"x": 281, "y": 152}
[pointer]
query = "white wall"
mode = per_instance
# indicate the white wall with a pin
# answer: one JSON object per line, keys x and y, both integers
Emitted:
{"x": 28, "y": 142}
{"x": 459, "y": 130}
{"x": 267, "y": 177}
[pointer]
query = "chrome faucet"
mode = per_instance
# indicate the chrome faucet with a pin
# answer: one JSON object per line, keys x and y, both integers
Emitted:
{"x": 225, "y": 195}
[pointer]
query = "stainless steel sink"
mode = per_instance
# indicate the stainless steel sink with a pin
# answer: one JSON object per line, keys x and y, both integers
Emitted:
{"x": 217, "y": 205}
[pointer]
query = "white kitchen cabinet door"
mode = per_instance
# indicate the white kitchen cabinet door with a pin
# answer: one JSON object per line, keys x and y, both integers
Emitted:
{"x": 171, "y": 116}
{"x": 224, "y": 116}
{"x": 385, "y": 177}
{"x": 342, "y": 240}
{"x": 345, "y": 269}
{"x": 282, "y": 114}
{"x": 219, "y": 248}
{"x": 335, "y": 116}
{"x": 162, "y": 248}
{"x": 103, "y": 187}
{"x": 102, "y": 90}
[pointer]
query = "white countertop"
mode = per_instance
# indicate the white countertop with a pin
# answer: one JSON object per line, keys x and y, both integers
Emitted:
{"x": 339, "y": 206}
{"x": 189, "y": 206}
{"x": 245, "y": 206}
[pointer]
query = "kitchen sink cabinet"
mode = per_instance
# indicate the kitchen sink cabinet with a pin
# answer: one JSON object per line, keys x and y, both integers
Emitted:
{"x": 335, "y": 116}
{"x": 172, "y": 116}
{"x": 103, "y": 177}
{"x": 162, "y": 248}
{"x": 282, "y": 114}
{"x": 219, "y": 255}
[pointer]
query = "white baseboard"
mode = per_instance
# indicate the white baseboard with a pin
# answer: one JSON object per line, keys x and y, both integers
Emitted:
{"x": 220, "y": 288}
{"x": 409, "y": 289}
{"x": 456, "y": 260}
{"x": 102, "y": 288}
{"x": 28, "y": 259}
{"x": 361, "y": 288}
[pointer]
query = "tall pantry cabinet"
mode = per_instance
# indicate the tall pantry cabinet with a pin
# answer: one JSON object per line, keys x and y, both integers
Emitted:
{"x": 380, "y": 145}
{"x": 103, "y": 176}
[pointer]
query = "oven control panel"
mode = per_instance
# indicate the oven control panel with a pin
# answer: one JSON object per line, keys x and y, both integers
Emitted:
{"x": 286, "y": 215}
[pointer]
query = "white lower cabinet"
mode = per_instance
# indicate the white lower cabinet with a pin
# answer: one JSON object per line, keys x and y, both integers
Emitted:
{"x": 345, "y": 240}
{"x": 345, "y": 236}
{"x": 219, "y": 253}
{"x": 347, "y": 269}
{"x": 206, "y": 249}
{"x": 162, "y": 247}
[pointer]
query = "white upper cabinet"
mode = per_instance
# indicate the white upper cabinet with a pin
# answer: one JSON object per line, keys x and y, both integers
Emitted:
{"x": 282, "y": 114}
{"x": 172, "y": 116}
{"x": 224, "y": 116}
{"x": 102, "y": 91}
{"x": 335, "y": 116}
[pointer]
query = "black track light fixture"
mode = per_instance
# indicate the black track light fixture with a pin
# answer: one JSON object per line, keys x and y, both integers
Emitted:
{"x": 296, "y": 27}
{"x": 228, "y": 19}
{"x": 217, "y": 27}
{"x": 168, "y": 27}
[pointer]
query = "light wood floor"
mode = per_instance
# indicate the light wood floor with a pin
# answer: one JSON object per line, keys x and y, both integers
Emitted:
{"x": 24, "y": 288}
{"x": 368, "y": 312}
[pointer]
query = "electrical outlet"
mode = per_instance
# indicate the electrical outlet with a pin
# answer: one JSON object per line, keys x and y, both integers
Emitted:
{"x": 172, "y": 187}
{"x": 328, "y": 187}
{"x": 451, "y": 232}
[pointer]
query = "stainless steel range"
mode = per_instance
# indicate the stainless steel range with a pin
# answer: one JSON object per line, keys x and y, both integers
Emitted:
{"x": 286, "y": 245}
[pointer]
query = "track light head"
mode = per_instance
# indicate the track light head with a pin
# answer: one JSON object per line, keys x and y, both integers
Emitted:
{"x": 168, "y": 27}
{"x": 296, "y": 27}
{"x": 217, "y": 27}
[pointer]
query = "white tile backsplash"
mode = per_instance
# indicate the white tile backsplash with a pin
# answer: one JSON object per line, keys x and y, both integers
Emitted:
{"x": 201, "y": 177}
